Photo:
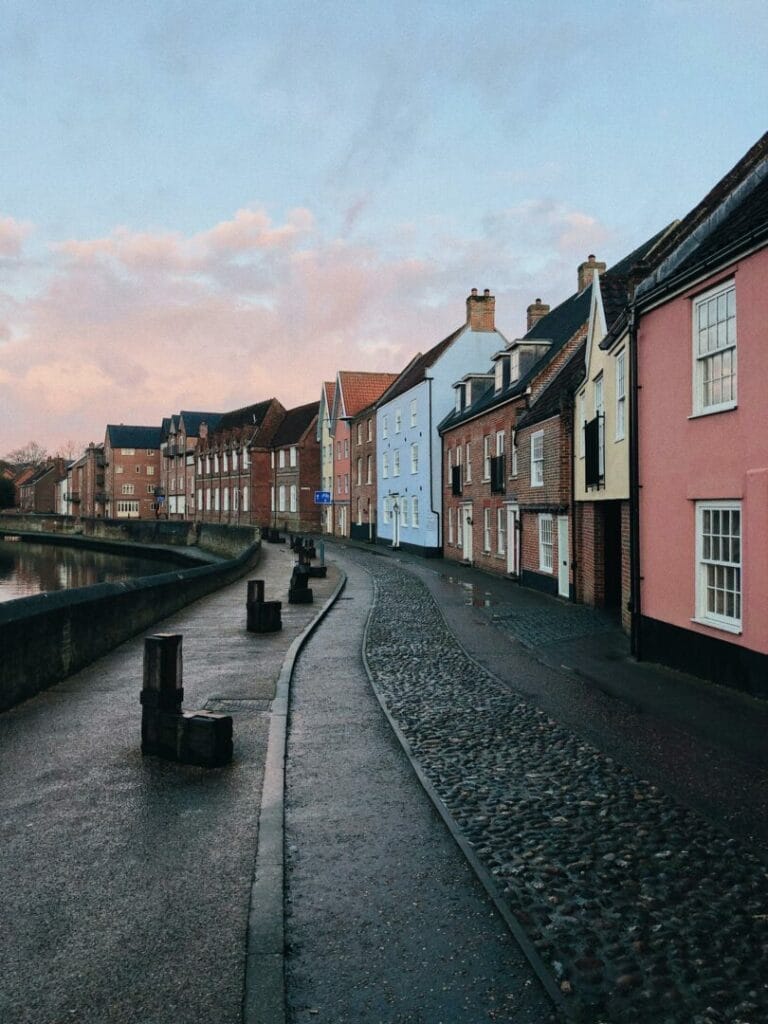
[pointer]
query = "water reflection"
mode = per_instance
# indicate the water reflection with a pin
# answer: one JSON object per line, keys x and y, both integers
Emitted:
{"x": 29, "y": 568}
{"x": 473, "y": 595}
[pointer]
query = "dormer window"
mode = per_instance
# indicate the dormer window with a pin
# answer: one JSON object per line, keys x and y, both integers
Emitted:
{"x": 461, "y": 402}
{"x": 514, "y": 366}
{"x": 501, "y": 375}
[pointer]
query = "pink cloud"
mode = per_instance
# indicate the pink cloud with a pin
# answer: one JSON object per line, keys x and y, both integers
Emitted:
{"x": 136, "y": 325}
{"x": 12, "y": 235}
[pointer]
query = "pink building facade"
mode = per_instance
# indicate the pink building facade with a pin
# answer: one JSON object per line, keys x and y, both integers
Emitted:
{"x": 702, "y": 442}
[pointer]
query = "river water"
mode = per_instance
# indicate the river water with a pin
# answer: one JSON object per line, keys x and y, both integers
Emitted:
{"x": 28, "y": 568}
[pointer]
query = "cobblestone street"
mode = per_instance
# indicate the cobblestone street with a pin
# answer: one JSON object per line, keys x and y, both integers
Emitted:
{"x": 642, "y": 910}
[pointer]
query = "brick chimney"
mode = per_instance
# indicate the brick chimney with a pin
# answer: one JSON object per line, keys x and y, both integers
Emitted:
{"x": 481, "y": 311}
{"x": 587, "y": 270}
{"x": 535, "y": 312}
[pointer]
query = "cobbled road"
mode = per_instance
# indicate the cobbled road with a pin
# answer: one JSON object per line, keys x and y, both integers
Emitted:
{"x": 641, "y": 909}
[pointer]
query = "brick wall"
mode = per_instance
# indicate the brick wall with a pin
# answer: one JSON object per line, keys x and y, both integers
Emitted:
{"x": 626, "y": 564}
{"x": 364, "y": 493}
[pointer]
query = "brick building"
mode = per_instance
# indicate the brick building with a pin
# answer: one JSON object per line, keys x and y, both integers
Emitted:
{"x": 232, "y": 465}
{"x": 485, "y": 478}
{"x": 296, "y": 472}
{"x": 85, "y": 492}
{"x": 181, "y": 433}
{"x": 132, "y": 471}
{"x": 39, "y": 491}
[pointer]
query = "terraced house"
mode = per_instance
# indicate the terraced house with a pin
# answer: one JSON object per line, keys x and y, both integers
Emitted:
{"x": 233, "y": 472}
{"x": 700, "y": 471}
{"x": 295, "y": 471}
{"x": 325, "y": 440}
{"x": 131, "y": 471}
{"x": 497, "y": 482}
{"x": 408, "y": 445}
{"x": 177, "y": 464}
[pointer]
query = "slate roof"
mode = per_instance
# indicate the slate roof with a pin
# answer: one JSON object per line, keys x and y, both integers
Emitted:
{"x": 248, "y": 416}
{"x": 558, "y": 326}
{"x": 714, "y": 212}
{"x": 748, "y": 218}
{"x": 555, "y": 395}
{"x": 416, "y": 370}
{"x": 360, "y": 389}
{"x": 122, "y": 436}
{"x": 295, "y": 424}
{"x": 192, "y": 421}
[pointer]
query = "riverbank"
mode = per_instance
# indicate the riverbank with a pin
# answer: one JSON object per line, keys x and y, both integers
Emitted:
{"x": 47, "y": 637}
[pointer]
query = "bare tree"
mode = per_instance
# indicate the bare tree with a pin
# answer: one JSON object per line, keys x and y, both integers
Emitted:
{"x": 70, "y": 449}
{"x": 30, "y": 454}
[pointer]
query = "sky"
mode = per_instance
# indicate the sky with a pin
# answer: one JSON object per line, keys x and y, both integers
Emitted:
{"x": 203, "y": 205}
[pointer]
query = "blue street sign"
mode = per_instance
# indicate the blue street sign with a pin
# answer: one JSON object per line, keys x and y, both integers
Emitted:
{"x": 322, "y": 497}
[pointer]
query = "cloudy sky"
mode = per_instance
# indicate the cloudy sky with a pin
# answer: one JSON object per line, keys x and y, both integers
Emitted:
{"x": 206, "y": 204}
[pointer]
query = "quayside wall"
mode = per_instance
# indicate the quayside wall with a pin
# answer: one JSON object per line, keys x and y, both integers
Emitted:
{"x": 47, "y": 637}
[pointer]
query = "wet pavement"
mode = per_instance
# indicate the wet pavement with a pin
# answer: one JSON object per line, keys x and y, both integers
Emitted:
{"x": 126, "y": 880}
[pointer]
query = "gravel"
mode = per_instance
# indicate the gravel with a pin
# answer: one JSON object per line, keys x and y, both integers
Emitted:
{"x": 641, "y": 909}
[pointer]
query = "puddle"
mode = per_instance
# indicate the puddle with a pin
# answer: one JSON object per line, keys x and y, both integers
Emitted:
{"x": 475, "y": 596}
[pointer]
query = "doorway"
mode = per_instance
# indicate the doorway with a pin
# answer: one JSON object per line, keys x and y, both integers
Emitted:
{"x": 466, "y": 533}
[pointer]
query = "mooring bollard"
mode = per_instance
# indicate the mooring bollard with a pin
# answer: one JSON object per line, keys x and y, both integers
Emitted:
{"x": 262, "y": 616}
{"x": 299, "y": 591}
{"x": 199, "y": 737}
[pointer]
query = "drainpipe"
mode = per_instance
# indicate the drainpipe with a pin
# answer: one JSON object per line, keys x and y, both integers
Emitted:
{"x": 634, "y": 488}
{"x": 436, "y": 512}
{"x": 574, "y": 521}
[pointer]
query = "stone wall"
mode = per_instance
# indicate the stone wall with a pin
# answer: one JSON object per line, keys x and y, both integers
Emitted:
{"x": 47, "y": 637}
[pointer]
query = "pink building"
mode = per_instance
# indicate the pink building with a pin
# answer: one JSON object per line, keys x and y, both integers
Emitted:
{"x": 701, "y": 466}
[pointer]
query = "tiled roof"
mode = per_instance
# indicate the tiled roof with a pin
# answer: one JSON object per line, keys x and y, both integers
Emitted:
{"x": 330, "y": 394}
{"x": 360, "y": 389}
{"x": 555, "y": 395}
{"x": 416, "y": 370}
{"x": 122, "y": 436}
{"x": 295, "y": 424}
{"x": 248, "y": 416}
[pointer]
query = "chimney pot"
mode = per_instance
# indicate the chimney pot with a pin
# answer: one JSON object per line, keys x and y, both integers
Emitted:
{"x": 487, "y": 291}
{"x": 481, "y": 310}
{"x": 586, "y": 271}
{"x": 535, "y": 312}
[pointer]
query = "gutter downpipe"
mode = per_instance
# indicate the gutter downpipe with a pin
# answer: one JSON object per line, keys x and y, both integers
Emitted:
{"x": 435, "y": 511}
{"x": 634, "y": 489}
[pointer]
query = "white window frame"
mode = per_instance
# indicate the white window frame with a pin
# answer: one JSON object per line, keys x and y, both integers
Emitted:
{"x": 359, "y": 436}
{"x": 216, "y": 500}
{"x": 398, "y": 420}
{"x": 369, "y": 470}
{"x": 621, "y": 395}
{"x": 414, "y": 458}
{"x": 226, "y": 499}
{"x": 580, "y": 419}
{"x": 487, "y": 530}
{"x": 537, "y": 459}
{"x": 225, "y": 463}
{"x": 359, "y": 471}
{"x": 281, "y": 498}
{"x": 415, "y": 512}
{"x": 468, "y": 463}
{"x": 546, "y": 542}
{"x": 281, "y": 460}
{"x": 414, "y": 412}
{"x": 396, "y": 462}
{"x": 599, "y": 395}
{"x": 721, "y": 345}
{"x": 487, "y": 457}
{"x": 127, "y": 489}
{"x": 404, "y": 511}
{"x": 385, "y": 465}
{"x": 501, "y": 530}
{"x": 714, "y": 571}
{"x": 385, "y": 425}
{"x": 450, "y": 525}
{"x": 370, "y": 430}
{"x": 245, "y": 497}
{"x": 246, "y": 460}
{"x": 292, "y": 499}
{"x": 513, "y": 452}
{"x": 293, "y": 455}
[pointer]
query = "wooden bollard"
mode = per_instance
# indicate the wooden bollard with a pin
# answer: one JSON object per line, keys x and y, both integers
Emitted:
{"x": 202, "y": 737}
{"x": 299, "y": 591}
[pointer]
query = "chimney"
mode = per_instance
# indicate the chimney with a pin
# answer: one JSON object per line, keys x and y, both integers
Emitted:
{"x": 535, "y": 312}
{"x": 587, "y": 270}
{"x": 481, "y": 311}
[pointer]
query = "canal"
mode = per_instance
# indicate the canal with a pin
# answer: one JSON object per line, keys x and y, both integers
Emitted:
{"x": 28, "y": 568}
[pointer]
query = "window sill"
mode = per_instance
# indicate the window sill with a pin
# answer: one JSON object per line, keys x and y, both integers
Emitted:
{"x": 729, "y": 407}
{"x": 724, "y": 627}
